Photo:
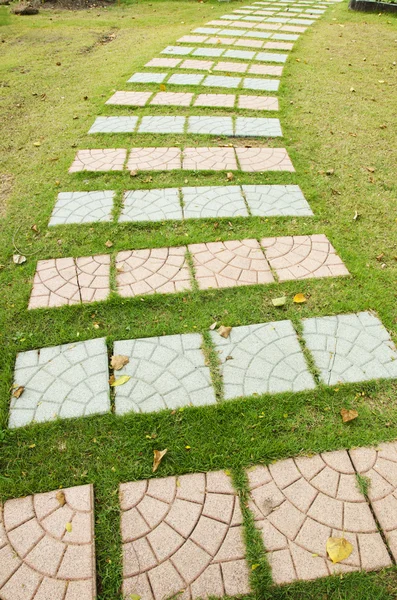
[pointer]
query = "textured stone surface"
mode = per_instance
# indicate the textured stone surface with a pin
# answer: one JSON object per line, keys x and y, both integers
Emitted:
{"x": 285, "y": 36}
{"x": 108, "y": 159}
{"x": 257, "y": 127}
{"x": 219, "y": 201}
{"x": 157, "y": 270}
{"x": 264, "y": 358}
{"x": 62, "y": 381}
{"x": 266, "y": 85}
{"x": 154, "y": 159}
{"x": 210, "y": 125}
{"x": 163, "y": 62}
{"x": 151, "y": 205}
{"x": 39, "y": 559}
{"x": 182, "y": 50}
{"x": 82, "y": 207}
{"x": 183, "y": 535}
{"x": 231, "y": 67}
{"x": 303, "y": 257}
{"x": 172, "y": 99}
{"x": 351, "y": 347}
{"x": 166, "y": 372}
{"x": 168, "y": 124}
{"x": 129, "y": 98}
{"x": 211, "y": 159}
{"x": 215, "y": 52}
{"x": 114, "y": 125}
{"x": 221, "y": 81}
{"x": 147, "y": 78}
{"x": 257, "y": 102}
{"x": 93, "y": 277}
{"x": 193, "y": 39}
{"x": 229, "y": 264}
{"x": 278, "y": 46}
{"x": 242, "y": 54}
{"x": 274, "y": 200}
{"x": 186, "y": 79}
{"x": 265, "y": 70}
{"x": 299, "y": 503}
{"x": 263, "y": 159}
{"x": 200, "y": 65}
{"x": 217, "y": 100}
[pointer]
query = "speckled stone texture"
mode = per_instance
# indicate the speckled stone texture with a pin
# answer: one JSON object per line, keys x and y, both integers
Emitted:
{"x": 209, "y": 159}
{"x": 130, "y": 98}
{"x": 108, "y": 159}
{"x": 151, "y": 205}
{"x": 263, "y": 159}
{"x": 182, "y": 536}
{"x": 154, "y": 159}
{"x": 274, "y": 200}
{"x": 114, "y": 125}
{"x": 82, "y": 207}
{"x": 217, "y": 201}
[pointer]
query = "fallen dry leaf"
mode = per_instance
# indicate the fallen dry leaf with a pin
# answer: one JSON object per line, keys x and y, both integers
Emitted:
{"x": 279, "y": 301}
{"x": 112, "y": 379}
{"x": 224, "y": 331}
{"x": 300, "y": 298}
{"x": 330, "y": 171}
{"x": 133, "y": 173}
{"x": 348, "y": 414}
{"x": 17, "y": 393}
{"x": 229, "y": 176}
{"x": 108, "y": 244}
{"x": 158, "y": 457}
{"x": 119, "y": 361}
{"x": 60, "y": 496}
{"x": 36, "y": 144}
{"x": 370, "y": 169}
{"x": 19, "y": 259}
{"x": 338, "y": 549}
{"x": 120, "y": 381}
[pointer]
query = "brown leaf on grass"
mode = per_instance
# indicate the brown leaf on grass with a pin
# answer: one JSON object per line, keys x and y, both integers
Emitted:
{"x": 118, "y": 361}
{"x": 338, "y": 548}
{"x": 157, "y": 458}
{"x": 330, "y": 171}
{"x": 17, "y": 393}
{"x": 300, "y": 298}
{"x": 108, "y": 244}
{"x": 348, "y": 414}
{"x": 229, "y": 176}
{"x": 224, "y": 331}
{"x": 380, "y": 256}
{"x": 60, "y": 496}
{"x": 370, "y": 169}
{"x": 34, "y": 228}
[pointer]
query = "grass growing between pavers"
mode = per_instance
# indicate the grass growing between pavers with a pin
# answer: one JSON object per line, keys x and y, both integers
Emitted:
{"x": 326, "y": 126}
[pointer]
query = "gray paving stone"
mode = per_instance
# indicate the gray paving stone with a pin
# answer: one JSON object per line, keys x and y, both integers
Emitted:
{"x": 221, "y": 81}
{"x": 276, "y": 20}
{"x": 271, "y": 57}
{"x": 257, "y": 34}
{"x": 82, "y": 207}
{"x": 166, "y": 372}
{"x": 208, "y": 52}
{"x": 231, "y": 17}
{"x": 147, "y": 78}
{"x": 62, "y": 381}
{"x": 215, "y": 201}
{"x": 253, "y": 18}
{"x": 114, "y": 125}
{"x": 254, "y": 83}
{"x": 208, "y": 30}
{"x": 151, "y": 205}
{"x": 256, "y": 127}
{"x": 231, "y": 32}
{"x": 210, "y": 125}
{"x": 350, "y": 348}
{"x": 287, "y": 37}
{"x": 178, "y": 50}
{"x": 186, "y": 79}
{"x": 243, "y": 54}
{"x": 167, "y": 124}
{"x": 301, "y": 21}
{"x": 276, "y": 200}
{"x": 263, "y": 358}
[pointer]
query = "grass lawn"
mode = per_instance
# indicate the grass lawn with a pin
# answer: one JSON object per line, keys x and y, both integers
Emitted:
{"x": 338, "y": 111}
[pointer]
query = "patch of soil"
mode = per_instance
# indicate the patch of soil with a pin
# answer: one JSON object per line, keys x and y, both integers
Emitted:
{"x": 77, "y": 4}
{"x": 6, "y": 185}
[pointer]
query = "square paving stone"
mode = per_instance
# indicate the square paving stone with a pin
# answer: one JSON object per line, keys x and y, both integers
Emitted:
{"x": 277, "y": 20}
{"x": 302, "y": 21}
{"x": 221, "y": 40}
{"x": 216, "y": 201}
{"x": 166, "y": 124}
{"x": 265, "y": 70}
{"x": 243, "y": 54}
{"x": 257, "y": 34}
{"x": 221, "y": 81}
{"x": 271, "y": 57}
{"x": 299, "y": 503}
{"x": 258, "y": 102}
{"x": 166, "y": 372}
{"x": 164, "y": 62}
{"x": 114, "y": 125}
{"x": 249, "y": 43}
{"x": 231, "y": 67}
{"x": 107, "y": 159}
{"x": 208, "y": 30}
{"x": 350, "y": 348}
{"x": 293, "y": 28}
{"x": 193, "y": 39}
{"x": 156, "y": 270}
{"x": 200, "y": 65}
{"x": 209, "y": 159}
{"x": 210, "y": 125}
{"x": 186, "y": 79}
{"x": 264, "y": 358}
{"x": 257, "y": 127}
{"x": 278, "y": 46}
{"x": 147, "y": 78}
{"x": 264, "y": 85}
{"x": 208, "y": 52}
{"x": 154, "y": 159}
{"x": 151, "y": 205}
{"x": 218, "y": 100}
{"x": 93, "y": 276}
{"x": 172, "y": 99}
{"x": 254, "y": 160}
{"x": 303, "y": 257}
{"x": 229, "y": 264}
{"x": 183, "y": 535}
{"x": 231, "y": 32}
{"x": 39, "y": 559}
{"x": 55, "y": 284}
{"x": 129, "y": 98}
{"x": 276, "y": 200}
{"x": 63, "y": 381}
{"x": 82, "y": 207}
{"x": 253, "y": 18}
{"x": 181, "y": 50}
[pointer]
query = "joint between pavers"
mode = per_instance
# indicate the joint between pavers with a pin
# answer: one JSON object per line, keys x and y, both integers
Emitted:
{"x": 311, "y": 365}
{"x": 272, "y": 269}
{"x": 248, "y": 208}
{"x": 214, "y": 364}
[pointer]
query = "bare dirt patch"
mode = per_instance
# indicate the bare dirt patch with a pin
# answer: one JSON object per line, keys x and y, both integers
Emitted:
{"x": 6, "y": 185}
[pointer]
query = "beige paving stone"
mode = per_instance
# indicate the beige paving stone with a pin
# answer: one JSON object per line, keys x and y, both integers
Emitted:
{"x": 231, "y": 67}
{"x": 172, "y": 99}
{"x": 93, "y": 275}
{"x": 108, "y": 159}
{"x": 130, "y": 98}
{"x": 200, "y": 65}
{"x": 55, "y": 284}
{"x": 218, "y": 100}
{"x": 264, "y": 159}
{"x": 163, "y": 62}
{"x": 258, "y": 102}
{"x": 209, "y": 159}
{"x": 265, "y": 70}
{"x": 154, "y": 159}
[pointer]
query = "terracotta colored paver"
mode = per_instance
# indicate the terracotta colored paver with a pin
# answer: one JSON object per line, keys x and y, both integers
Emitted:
{"x": 157, "y": 270}
{"x": 248, "y": 43}
{"x": 172, "y": 99}
{"x": 82, "y": 207}
{"x": 129, "y": 98}
{"x": 108, "y": 159}
{"x": 39, "y": 559}
{"x": 164, "y": 62}
{"x": 303, "y": 257}
{"x": 192, "y": 39}
{"x": 209, "y": 159}
{"x": 218, "y": 100}
{"x": 55, "y": 283}
{"x": 93, "y": 274}
{"x": 278, "y": 46}
{"x": 183, "y": 534}
{"x": 217, "y": 201}
{"x": 299, "y": 503}
{"x": 151, "y": 205}
{"x": 154, "y": 159}
{"x": 258, "y": 102}
{"x": 229, "y": 264}
{"x": 165, "y": 372}
{"x": 349, "y": 348}
{"x": 62, "y": 381}
{"x": 221, "y": 41}
{"x": 264, "y": 159}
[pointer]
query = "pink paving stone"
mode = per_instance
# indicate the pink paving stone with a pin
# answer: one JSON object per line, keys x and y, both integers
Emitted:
{"x": 229, "y": 264}
{"x": 93, "y": 274}
{"x": 265, "y": 70}
{"x": 278, "y": 46}
{"x": 154, "y": 159}
{"x": 253, "y": 160}
{"x": 186, "y": 552}
{"x": 172, "y": 99}
{"x": 157, "y": 270}
{"x": 200, "y": 65}
{"x": 192, "y": 39}
{"x": 231, "y": 67}
{"x": 39, "y": 558}
{"x": 303, "y": 257}
{"x": 299, "y": 503}
{"x": 209, "y": 159}
{"x": 163, "y": 62}
{"x": 221, "y": 40}
{"x": 258, "y": 102}
{"x": 219, "y": 100}
{"x": 130, "y": 98}
{"x": 108, "y": 159}
{"x": 249, "y": 43}
{"x": 55, "y": 284}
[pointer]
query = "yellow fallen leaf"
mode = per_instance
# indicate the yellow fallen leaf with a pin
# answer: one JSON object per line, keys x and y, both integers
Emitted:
{"x": 338, "y": 549}
{"x": 158, "y": 457}
{"x": 134, "y": 597}
{"x": 60, "y": 496}
{"x": 32, "y": 446}
{"x": 68, "y": 527}
{"x": 224, "y": 331}
{"x": 348, "y": 415}
{"x": 36, "y": 144}
{"x": 120, "y": 381}
{"x": 17, "y": 393}
{"x": 187, "y": 447}
{"x": 162, "y": 87}
{"x": 118, "y": 361}
{"x": 254, "y": 567}
{"x": 299, "y": 298}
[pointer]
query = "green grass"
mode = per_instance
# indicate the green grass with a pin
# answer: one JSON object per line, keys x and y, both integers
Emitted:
{"x": 326, "y": 126}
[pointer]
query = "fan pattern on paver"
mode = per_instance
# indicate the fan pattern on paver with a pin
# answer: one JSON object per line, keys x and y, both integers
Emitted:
{"x": 130, "y": 98}
{"x": 182, "y": 536}
{"x": 93, "y": 277}
{"x": 258, "y": 102}
{"x": 160, "y": 270}
{"x": 154, "y": 159}
{"x": 299, "y": 503}
{"x": 107, "y": 159}
{"x": 82, "y": 207}
{"x": 39, "y": 558}
{"x": 172, "y": 99}
{"x": 62, "y": 381}
{"x": 114, "y": 125}
{"x": 209, "y": 159}
{"x": 256, "y": 359}
{"x": 349, "y": 348}
{"x": 229, "y": 264}
{"x": 210, "y": 125}
{"x": 161, "y": 124}
{"x": 219, "y": 201}
{"x": 269, "y": 200}
{"x": 151, "y": 205}
{"x": 166, "y": 372}
{"x": 217, "y": 100}
{"x": 264, "y": 159}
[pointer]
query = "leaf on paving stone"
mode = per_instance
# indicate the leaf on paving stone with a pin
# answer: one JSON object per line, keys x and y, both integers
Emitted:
{"x": 229, "y": 176}
{"x": 338, "y": 549}
{"x": 68, "y": 527}
{"x": 299, "y": 298}
{"x": 279, "y": 301}
{"x": 158, "y": 457}
{"x": 108, "y": 244}
{"x": 348, "y": 414}
{"x": 19, "y": 259}
{"x": 118, "y": 361}
{"x": 213, "y": 326}
{"x": 120, "y": 381}
{"x": 370, "y": 169}
{"x": 17, "y": 393}
{"x": 224, "y": 331}
{"x": 60, "y": 496}
{"x": 134, "y": 597}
